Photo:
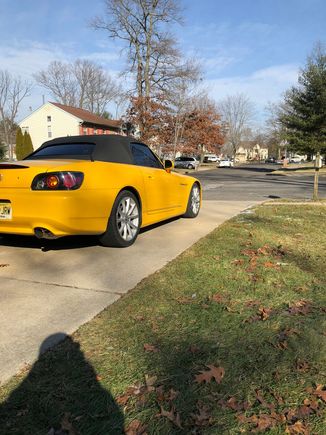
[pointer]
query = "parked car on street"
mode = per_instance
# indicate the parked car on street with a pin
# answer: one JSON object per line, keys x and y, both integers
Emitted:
{"x": 226, "y": 163}
{"x": 210, "y": 158}
{"x": 185, "y": 162}
{"x": 104, "y": 185}
{"x": 270, "y": 160}
{"x": 296, "y": 159}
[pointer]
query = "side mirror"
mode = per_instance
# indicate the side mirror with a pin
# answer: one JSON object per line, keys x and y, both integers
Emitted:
{"x": 168, "y": 165}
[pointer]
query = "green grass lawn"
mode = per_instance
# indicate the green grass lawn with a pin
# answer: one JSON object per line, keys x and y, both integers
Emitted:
{"x": 228, "y": 338}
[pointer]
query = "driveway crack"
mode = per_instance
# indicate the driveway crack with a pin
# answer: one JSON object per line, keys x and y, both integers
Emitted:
{"x": 65, "y": 285}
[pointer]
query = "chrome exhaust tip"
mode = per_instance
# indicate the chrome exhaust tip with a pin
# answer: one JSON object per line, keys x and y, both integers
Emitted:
{"x": 43, "y": 233}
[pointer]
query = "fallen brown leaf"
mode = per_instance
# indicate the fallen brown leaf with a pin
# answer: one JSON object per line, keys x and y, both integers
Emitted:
{"x": 270, "y": 265}
{"x": 237, "y": 262}
{"x": 302, "y": 366}
{"x": 232, "y": 403}
{"x": 320, "y": 392}
{"x": 203, "y": 417}
{"x": 139, "y": 318}
{"x": 172, "y": 416}
{"x": 4, "y": 265}
{"x": 150, "y": 348}
{"x": 217, "y": 297}
{"x": 135, "y": 428}
{"x": 302, "y": 307}
{"x": 150, "y": 381}
{"x": 298, "y": 428}
{"x": 261, "y": 399}
{"x": 122, "y": 399}
{"x": 216, "y": 373}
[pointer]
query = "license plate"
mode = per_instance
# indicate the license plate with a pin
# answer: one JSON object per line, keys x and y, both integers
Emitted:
{"x": 5, "y": 211}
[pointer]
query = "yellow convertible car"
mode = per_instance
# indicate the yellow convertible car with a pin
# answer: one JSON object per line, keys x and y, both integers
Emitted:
{"x": 106, "y": 185}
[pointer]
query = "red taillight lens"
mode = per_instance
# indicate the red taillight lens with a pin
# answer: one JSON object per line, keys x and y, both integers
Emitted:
{"x": 69, "y": 180}
{"x": 58, "y": 181}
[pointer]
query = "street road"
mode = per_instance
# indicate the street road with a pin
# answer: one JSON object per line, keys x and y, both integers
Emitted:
{"x": 255, "y": 182}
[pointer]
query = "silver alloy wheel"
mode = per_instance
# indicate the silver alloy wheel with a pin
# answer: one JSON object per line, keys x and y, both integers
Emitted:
{"x": 127, "y": 218}
{"x": 195, "y": 199}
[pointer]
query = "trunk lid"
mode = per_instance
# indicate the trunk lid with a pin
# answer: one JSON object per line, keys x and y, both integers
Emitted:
{"x": 21, "y": 174}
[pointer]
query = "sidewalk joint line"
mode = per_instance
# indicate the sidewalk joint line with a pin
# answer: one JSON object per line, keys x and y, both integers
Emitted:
{"x": 65, "y": 285}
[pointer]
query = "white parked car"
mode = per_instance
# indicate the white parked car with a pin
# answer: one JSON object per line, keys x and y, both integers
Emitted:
{"x": 211, "y": 158}
{"x": 226, "y": 163}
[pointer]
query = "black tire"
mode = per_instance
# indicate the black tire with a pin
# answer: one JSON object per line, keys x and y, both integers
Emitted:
{"x": 123, "y": 227}
{"x": 193, "y": 206}
{"x": 190, "y": 167}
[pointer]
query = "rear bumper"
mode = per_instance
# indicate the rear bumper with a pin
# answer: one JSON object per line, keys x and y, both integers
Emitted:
{"x": 62, "y": 212}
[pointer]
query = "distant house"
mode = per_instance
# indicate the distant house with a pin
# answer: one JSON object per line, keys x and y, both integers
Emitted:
{"x": 251, "y": 150}
{"x": 55, "y": 120}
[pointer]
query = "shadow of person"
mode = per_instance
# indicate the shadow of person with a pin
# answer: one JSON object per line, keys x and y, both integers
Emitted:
{"x": 61, "y": 395}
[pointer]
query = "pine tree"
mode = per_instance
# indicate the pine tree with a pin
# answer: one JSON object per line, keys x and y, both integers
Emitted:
{"x": 304, "y": 110}
{"x": 28, "y": 145}
{"x": 19, "y": 144}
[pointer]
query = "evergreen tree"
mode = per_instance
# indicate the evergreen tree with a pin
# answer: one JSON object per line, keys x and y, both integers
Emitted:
{"x": 19, "y": 144}
{"x": 304, "y": 109}
{"x": 28, "y": 145}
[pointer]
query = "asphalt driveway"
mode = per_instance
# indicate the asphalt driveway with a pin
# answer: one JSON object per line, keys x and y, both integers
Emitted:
{"x": 58, "y": 286}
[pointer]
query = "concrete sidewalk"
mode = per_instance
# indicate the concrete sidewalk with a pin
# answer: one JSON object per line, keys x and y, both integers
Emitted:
{"x": 58, "y": 289}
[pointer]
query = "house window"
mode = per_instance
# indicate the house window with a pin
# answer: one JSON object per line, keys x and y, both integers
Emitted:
{"x": 85, "y": 131}
{"x": 48, "y": 118}
{"x": 95, "y": 130}
{"x": 49, "y": 131}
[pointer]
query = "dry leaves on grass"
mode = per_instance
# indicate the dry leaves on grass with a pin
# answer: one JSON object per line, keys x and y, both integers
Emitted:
{"x": 216, "y": 373}
{"x": 319, "y": 391}
{"x": 270, "y": 265}
{"x": 302, "y": 366}
{"x": 168, "y": 396}
{"x": 136, "y": 427}
{"x": 139, "y": 390}
{"x": 237, "y": 262}
{"x": 302, "y": 307}
{"x": 66, "y": 427}
{"x": 262, "y": 314}
{"x": 261, "y": 422}
{"x": 172, "y": 415}
{"x": 203, "y": 417}
{"x": 218, "y": 298}
{"x": 150, "y": 348}
{"x": 282, "y": 338}
{"x": 234, "y": 404}
{"x": 259, "y": 396}
{"x": 298, "y": 428}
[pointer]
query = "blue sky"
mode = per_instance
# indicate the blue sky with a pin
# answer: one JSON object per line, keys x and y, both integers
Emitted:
{"x": 251, "y": 46}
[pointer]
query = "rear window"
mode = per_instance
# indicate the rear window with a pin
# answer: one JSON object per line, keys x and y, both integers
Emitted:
{"x": 80, "y": 151}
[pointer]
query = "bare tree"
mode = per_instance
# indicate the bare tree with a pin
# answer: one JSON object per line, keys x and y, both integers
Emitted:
{"x": 151, "y": 51}
{"x": 80, "y": 84}
{"x": 237, "y": 112}
{"x": 12, "y": 92}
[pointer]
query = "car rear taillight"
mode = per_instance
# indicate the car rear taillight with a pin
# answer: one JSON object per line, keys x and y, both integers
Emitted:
{"x": 58, "y": 181}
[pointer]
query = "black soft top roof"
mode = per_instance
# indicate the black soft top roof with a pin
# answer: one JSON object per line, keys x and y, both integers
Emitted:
{"x": 108, "y": 148}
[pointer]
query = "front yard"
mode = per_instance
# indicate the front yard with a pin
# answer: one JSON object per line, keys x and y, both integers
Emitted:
{"x": 228, "y": 338}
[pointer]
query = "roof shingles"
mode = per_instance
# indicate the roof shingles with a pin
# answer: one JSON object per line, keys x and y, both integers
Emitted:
{"x": 88, "y": 117}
